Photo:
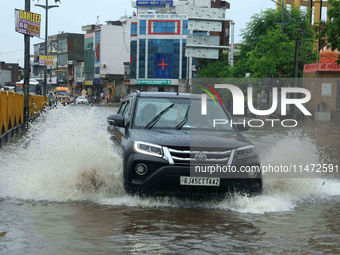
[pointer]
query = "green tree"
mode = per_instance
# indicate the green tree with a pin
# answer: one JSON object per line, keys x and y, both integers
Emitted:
{"x": 273, "y": 54}
{"x": 212, "y": 69}
{"x": 332, "y": 28}
{"x": 265, "y": 51}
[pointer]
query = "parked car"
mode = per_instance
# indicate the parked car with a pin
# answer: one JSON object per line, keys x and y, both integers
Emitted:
{"x": 163, "y": 135}
{"x": 81, "y": 100}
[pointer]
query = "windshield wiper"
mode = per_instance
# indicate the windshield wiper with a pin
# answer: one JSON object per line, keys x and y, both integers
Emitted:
{"x": 158, "y": 116}
{"x": 185, "y": 120}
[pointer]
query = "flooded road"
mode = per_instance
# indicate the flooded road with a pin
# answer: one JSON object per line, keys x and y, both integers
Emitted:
{"x": 61, "y": 193}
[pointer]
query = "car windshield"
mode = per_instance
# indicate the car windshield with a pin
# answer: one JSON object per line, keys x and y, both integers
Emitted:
{"x": 62, "y": 93}
{"x": 177, "y": 113}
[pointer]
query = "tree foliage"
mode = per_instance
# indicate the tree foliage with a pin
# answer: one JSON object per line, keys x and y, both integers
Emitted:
{"x": 332, "y": 28}
{"x": 212, "y": 69}
{"x": 266, "y": 52}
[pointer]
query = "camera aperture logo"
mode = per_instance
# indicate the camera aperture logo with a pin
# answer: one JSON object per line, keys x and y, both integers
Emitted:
{"x": 239, "y": 108}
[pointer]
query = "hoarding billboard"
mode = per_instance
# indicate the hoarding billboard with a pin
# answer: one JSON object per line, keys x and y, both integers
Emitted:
{"x": 27, "y": 23}
{"x": 46, "y": 60}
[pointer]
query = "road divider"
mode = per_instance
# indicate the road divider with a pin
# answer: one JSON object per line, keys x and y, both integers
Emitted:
{"x": 12, "y": 110}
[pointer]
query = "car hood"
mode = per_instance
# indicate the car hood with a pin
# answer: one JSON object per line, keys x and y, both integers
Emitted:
{"x": 185, "y": 138}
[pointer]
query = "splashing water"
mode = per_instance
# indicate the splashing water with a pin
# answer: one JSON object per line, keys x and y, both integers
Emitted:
{"x": 68, "y": 156}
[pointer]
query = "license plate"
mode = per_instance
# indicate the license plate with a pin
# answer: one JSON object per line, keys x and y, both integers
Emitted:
{"x": 199, "y": 181}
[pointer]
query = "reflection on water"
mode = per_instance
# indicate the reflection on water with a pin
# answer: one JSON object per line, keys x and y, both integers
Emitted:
{"x": 61, "y": 190}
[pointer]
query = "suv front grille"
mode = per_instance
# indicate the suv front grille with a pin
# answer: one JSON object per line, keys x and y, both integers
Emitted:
{"x": 187, "y": 156}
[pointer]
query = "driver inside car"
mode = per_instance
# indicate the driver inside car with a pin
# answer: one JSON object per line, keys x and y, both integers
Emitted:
{"x": 149, "y": 111}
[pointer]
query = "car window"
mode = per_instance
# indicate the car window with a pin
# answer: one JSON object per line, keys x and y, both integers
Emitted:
{"x": 148, "y": 109}
{"x": 126, "y": 111}
{"x": 122, "y": 108}
{"x": 176, "y": 112}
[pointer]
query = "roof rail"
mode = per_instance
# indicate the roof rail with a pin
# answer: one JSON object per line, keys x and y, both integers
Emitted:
{"x": 138, "y": 92}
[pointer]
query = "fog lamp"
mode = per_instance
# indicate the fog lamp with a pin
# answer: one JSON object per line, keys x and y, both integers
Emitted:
{"x": 141, "y": 169}
{"x": 252, "y": 173}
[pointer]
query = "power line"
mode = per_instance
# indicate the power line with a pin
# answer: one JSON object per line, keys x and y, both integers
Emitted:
{"x": 11, "y": 51}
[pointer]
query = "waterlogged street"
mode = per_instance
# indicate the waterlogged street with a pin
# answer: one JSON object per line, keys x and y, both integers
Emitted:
{"x": 61, "y": 193}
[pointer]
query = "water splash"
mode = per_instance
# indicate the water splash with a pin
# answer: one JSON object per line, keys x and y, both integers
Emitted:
{"x": 68, "y": 156}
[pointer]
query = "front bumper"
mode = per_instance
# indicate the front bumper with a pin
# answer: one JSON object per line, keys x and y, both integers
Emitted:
{"x": 164, "y": 179}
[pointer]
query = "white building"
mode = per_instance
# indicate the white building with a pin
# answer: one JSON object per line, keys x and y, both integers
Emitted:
{"x": 5, "y": 77}
{"x": 107, "y": 47}
{"x": 158, "y": 44}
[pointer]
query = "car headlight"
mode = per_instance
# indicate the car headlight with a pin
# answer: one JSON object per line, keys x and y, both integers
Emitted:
{"x": 149, "y": 149}
{"x": 245, "y": 152}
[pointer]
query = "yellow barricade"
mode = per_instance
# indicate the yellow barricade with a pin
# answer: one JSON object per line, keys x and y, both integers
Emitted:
{"x": 12, "y": 109}
{"x": 3, "y": 112}
{"x": 37, "y": 103}
{"x": 19, "y": 106}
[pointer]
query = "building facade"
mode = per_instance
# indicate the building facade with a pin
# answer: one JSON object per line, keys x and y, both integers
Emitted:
{"x": 5, "y": 78}
{"x": 9, "y": 73}
{"x": 322, "y": 79}
{"x": 312, "y": 6}
{"x": 106, "y": 48}
{"x": 158, "y": 43}
{"x": 37, "y": 70}
{"x": 67, "y": 50}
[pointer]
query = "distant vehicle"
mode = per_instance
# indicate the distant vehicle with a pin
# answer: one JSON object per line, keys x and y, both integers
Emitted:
{"x": 34, "y": 87}
{"x": 81, "y": 100}
{"x": 63, "y": 95}
{"x": 9, "y": 88}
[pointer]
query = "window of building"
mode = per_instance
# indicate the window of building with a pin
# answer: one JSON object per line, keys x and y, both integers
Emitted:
{"x": 142, "y": 45}
{"x": 163, "y": 59}
{"x": 78, "y": 72}
{"x": 200, "y": 33}
{"x": 62, "y": 45}
{"x": 142, "y": 27}
{"x": 134, "y": 29}
{"x": 62, "y": 59}
{"x": 185, "y": 27}
{"x": 97, "y": 70}
{"x": 164, "y": 27}
{"x": 133, "y": 58}
{"x": 184, "y": 61}
{"x": 97, "y": 45}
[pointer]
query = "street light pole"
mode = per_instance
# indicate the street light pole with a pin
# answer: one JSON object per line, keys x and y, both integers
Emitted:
{"x": 27, "y": 69}
{"x": 296, "y": 55}
{"x": 46, "y": 7}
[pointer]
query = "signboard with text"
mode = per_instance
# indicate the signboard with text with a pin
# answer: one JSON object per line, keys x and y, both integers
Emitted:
{"x": 155, "y": 2}
{"x": 27, "y": 23}
{"x": 46, "y": 60}
{"x": 154, "y": 82}
{"x": 321, "y": 67}
{"x": 163, "y": 16}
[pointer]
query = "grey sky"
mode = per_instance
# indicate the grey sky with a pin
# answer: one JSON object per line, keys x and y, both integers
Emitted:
{"x": 72, "y": 15}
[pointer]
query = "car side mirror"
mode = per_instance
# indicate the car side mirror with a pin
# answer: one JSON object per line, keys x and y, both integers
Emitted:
{"x": 116, "y": 120}
{"x": 242, "y": 128}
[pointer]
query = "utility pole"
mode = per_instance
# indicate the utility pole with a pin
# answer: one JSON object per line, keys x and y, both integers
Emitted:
{"x": 282, "y": 23}
{"x": 27, "y": 69}
{"x": 296, "y": 55}
{"x": 46, "y": 7}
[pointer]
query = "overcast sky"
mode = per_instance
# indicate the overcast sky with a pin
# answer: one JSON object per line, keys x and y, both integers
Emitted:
{"x": 71, "y": 15}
